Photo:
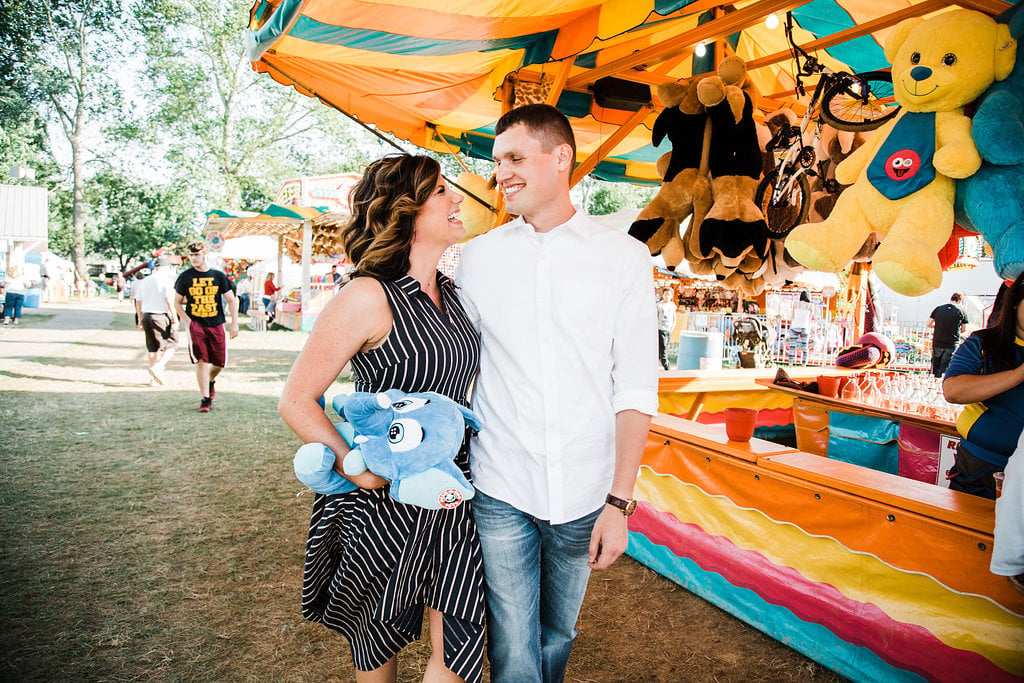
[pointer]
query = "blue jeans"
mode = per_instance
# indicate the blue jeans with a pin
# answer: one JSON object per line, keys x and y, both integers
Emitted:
{"x": 12, "y": 305}
{"x": 535, "y": 575}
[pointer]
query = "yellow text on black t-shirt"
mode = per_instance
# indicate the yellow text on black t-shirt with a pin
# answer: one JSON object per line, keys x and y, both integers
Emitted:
{"x": 204, "y": 297}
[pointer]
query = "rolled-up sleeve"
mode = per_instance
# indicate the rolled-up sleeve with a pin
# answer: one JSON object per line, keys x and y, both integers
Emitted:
{"x": 635, "y": 345}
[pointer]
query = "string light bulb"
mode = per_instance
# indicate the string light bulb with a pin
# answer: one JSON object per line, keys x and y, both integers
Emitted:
{"x": 771, "y": 21}
{"x": 701, "y": 49}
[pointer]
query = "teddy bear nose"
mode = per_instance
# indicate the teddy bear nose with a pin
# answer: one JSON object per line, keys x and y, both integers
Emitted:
{"x": 920, "y": 73}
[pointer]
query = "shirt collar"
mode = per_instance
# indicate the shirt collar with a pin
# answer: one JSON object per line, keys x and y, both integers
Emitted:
{"x": 410, "y": 285}
{"x": 579, "y": 223}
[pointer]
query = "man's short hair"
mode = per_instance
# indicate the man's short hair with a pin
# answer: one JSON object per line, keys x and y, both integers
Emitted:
{"x": 197, "y": 247}
{"x": 957, "y": 296}
{"x": 544, "y": 122}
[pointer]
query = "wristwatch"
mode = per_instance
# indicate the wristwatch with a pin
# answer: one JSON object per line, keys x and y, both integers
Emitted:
{"x": 628, "y": 507}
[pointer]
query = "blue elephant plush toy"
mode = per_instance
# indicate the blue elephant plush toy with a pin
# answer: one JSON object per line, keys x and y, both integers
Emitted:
{"x": 409, "y": 439}
{"x": 991, "y": 201}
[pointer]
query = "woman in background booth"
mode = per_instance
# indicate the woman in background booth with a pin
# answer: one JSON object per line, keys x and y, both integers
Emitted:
{"x": 270, "y": 291}
{"x": 987, "y": 374}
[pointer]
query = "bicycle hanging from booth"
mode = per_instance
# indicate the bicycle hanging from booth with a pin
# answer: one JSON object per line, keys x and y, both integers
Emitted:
{"x": 848, "y": 102}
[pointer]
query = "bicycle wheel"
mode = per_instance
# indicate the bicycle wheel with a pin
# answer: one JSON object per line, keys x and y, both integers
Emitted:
{"x": 860, "y": 102}
{"x": 791, "y": 207}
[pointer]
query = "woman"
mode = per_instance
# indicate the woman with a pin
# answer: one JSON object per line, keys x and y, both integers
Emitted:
{"x": 270, "y": 291}
{"x": 14, "y": 288}
{"x": 373, "y": 564}
{"x": 987, "y": 373}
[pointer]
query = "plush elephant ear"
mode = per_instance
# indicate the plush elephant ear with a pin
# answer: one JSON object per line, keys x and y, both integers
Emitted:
{"x": 471, "y": 418}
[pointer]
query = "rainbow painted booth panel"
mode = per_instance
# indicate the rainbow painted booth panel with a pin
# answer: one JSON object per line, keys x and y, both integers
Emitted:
{"x": 877, "y": 577}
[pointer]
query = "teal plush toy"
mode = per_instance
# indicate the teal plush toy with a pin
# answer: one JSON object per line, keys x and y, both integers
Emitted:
{"x": 991, "y": 201}
{"x": 409, "y": 439}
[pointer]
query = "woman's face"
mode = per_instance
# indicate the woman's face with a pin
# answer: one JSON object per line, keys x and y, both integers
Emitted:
{"x": 438, "y": 221}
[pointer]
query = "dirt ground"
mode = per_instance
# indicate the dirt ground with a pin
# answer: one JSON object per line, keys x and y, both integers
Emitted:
{"x": 190, "y": 571}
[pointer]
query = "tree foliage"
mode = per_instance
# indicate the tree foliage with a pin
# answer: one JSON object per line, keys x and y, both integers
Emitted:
{"x": 234, "y": 133}
{"x": 133, "y": 218}
{"x": 58, "y": 50}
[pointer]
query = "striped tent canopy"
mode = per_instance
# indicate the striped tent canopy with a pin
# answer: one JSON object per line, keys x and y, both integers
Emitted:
{"x": 440, "y": 74}
{"x": 274, "y": 220}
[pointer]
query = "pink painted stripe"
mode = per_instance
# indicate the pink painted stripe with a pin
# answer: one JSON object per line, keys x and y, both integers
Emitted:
{"x": 905, "y": 646}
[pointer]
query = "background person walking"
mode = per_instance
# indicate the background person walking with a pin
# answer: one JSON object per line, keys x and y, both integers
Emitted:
{"x": 949, "y": 322}
{"x": 14, "y": 288}
{"x": 157, "y": 317}
{"x": 199, "y": 300}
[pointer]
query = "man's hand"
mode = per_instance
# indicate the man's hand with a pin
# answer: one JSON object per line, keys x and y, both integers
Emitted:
{"x": 609, "y": 538}
{"x": 233, "y": 329}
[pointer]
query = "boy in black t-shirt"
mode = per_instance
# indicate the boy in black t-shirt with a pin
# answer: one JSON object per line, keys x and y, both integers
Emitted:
{"x": 201, "y": 291}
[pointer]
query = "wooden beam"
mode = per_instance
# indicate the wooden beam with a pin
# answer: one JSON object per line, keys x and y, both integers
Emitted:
{"x": 591, "y": 162}
{"x": 559, "y": 83}
{"x": 854, "y": 32}
{"x": 726, "y": 25}
{"x": 990, "y": 7}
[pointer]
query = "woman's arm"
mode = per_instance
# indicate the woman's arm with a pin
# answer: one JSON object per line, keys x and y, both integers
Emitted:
{"x": 357, "y": 318}
{"x": 975, "y": 388}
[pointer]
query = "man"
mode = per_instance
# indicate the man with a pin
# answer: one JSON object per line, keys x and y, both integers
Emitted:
{"x": 157, "y": 317}
{"x": 666, "y": 323}
{"x": 201, "y": 292}
{"x": 567, "y": 385}
{"x": 337, "y": 279}
{"x": 949, "y": 322}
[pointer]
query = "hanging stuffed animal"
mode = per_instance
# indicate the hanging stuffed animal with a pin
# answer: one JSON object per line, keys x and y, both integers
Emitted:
{"x": 685, "y": 192}
{"x": 992, "y": 200}
{"x": 901, "y": 180}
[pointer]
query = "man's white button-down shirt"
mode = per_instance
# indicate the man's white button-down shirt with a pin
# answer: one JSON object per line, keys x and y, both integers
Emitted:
{"x": 569, "y": 337}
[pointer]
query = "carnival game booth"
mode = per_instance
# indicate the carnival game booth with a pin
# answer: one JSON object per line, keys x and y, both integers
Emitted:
{"x": 876, "y": 575}
{"x": 304, "y": 219}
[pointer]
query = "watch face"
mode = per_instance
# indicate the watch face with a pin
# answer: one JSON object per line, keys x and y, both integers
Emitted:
{"x": 630, "y": 508}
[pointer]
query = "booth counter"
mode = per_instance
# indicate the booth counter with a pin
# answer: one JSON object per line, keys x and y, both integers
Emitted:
{"x": 879, "y": 575}
{"x": 876, "y": 576}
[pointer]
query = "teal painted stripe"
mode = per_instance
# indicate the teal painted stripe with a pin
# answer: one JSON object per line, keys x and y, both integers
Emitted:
{"x": 825, "y": 17}
{"x": 813, "y": 640}
{"x": 538, "y": 46}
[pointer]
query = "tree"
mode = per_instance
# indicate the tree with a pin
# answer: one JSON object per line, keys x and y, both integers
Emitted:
{"x": 235, "y": 134}
{"x": 64, "y": 72}
{"x": 133, "y": 219}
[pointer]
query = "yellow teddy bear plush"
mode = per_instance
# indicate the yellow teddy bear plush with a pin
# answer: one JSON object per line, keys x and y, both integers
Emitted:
{"x": 902, "y": 179}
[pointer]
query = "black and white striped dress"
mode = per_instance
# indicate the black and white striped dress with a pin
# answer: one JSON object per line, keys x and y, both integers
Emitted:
{"x": 373, "y": 564}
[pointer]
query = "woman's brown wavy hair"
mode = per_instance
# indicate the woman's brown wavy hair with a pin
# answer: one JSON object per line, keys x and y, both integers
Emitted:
{"x": 385, "y": 203}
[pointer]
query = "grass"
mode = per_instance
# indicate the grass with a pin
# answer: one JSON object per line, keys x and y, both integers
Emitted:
{"x": 144, "y": 541}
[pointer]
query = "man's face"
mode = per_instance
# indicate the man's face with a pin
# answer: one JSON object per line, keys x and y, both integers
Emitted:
{"x": 526, "y": 173}
{"x": 197, "y": 259}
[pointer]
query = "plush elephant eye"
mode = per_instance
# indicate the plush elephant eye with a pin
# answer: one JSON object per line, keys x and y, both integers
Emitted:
{"x": 404, "y": 435}
{"x": 915, "y": 58}
{"x": 409, "y": 404}
{"x": 949, "y": 59}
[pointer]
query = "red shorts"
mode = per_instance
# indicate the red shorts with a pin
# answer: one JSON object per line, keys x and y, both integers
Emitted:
{"x": 207, "y": 344}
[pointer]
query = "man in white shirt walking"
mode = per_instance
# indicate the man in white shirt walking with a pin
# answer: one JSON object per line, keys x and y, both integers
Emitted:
{"x": 156, "y": 317}
{"x": 567, "y": 385}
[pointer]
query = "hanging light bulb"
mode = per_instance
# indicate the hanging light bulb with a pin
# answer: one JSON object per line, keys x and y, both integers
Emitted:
{"x": 701, "y": 49}
{"x": 771, "y": 21}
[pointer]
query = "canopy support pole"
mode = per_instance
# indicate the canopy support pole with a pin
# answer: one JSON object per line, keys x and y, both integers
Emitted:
{"x": 307, "y": 257}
